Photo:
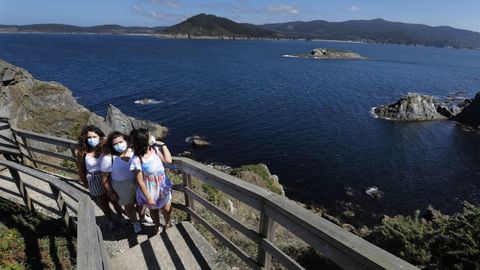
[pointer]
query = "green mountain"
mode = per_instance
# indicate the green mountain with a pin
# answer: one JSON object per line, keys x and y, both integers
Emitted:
{"x": 211, "y": 25}
{"x": 374, "y": 31}
{"x": 379, "y": 31}
{"x": 65, "y": 28}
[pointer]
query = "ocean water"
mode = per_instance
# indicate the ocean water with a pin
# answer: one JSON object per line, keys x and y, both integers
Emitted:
{"x": 309, "y": 120}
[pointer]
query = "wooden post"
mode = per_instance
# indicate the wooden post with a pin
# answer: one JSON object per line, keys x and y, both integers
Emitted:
{"x": 266, "y": 231}
{"x": 30, "y": 154}
{"x": 187, "y": 182}
{"x": 22, "y": 189}
{"x": 62, "y": 206}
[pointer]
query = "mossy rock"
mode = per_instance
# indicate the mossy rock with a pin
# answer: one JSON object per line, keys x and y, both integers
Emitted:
{"x": 49, "y": 88}
{"x": 258, "y": 174}
{"x": 55, "y": 121}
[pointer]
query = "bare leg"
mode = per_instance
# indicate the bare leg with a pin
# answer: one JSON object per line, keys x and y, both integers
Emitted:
{"x": 102, "y": 202}
{"x": 141, "y": 210}
{"x": 167, "y": 213}
{"x": 156, "y": 219}
{"x": 118, "y": 208}
{"x": 130, "y": 211}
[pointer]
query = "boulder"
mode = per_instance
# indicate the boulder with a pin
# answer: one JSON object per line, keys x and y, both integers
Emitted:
{"x": 412, "y": 107}
{"x": 123, "y": 123}
{"x": 198, "y": 141}
{"x": 470, "y": 114}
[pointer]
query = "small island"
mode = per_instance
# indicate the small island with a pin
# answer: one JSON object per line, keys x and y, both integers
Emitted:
{"x": 324, "y": 53}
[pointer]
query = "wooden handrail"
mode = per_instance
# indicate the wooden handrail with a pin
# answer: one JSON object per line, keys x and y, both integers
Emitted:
{"x": 342, "y": 247}
{"x": 90, "y": 247}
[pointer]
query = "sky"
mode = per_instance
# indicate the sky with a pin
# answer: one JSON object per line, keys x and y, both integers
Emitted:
{"x": 460, "y": 13}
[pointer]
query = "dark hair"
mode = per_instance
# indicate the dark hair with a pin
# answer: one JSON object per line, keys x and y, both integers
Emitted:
{"x": 83, "y": 146}
{"x": 139, "y": 141}
{"x": 108, "y": 147}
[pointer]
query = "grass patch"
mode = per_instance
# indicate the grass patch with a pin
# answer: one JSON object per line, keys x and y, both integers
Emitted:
{"x": 33, "y": 241}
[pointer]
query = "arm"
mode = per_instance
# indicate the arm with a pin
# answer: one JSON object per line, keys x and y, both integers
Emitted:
{"x": 82, "y": 174}
{"x": 141, "y": 185}
{"x": 164, "y": 153}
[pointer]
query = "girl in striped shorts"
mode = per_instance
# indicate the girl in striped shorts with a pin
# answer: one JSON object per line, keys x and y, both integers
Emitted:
{"x": 88, "y": 164}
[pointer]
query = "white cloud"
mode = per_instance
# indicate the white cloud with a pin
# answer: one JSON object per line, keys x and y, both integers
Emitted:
{"x": 157, "y": 15}
{"x": 354, "y": 8}
{"x": 137, "y": 9}
{"x": 168, "y": 3}
{"x": 283, "y": 9}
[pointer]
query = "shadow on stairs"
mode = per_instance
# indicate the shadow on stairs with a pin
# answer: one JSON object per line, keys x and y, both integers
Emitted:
{"x": 181, "y": 247}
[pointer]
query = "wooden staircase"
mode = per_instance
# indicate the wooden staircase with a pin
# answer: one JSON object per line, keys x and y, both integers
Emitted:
{"x": 180, "y": 247}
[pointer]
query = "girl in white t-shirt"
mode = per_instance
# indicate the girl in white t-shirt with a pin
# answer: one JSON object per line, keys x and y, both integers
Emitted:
{"x": 88, "y": 164}
{"x": 118, "y": 180}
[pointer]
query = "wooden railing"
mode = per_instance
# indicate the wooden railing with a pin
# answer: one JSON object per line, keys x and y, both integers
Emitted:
{"x": 91, "y": 252}
{"x": 340, "y": 246}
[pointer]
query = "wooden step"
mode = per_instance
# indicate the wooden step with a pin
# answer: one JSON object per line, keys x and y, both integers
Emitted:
{"x": 182, "y": 247}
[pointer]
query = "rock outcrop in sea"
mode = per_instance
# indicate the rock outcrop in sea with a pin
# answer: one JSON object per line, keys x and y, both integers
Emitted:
{"x": 412, "y": 107}
{"x": 323, "y": 53}
{"x": 470, "y": 114}
{"x": 50, "y": 108}
{"x": 417, "y": 107}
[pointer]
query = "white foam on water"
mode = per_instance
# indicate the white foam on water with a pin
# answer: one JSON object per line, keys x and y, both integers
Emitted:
{"x": 148, "y": 101}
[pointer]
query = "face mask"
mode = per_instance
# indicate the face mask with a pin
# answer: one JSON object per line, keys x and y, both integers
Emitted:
{"x": 93, "y": 141}
{"x": 120, "y": 147}
{"x": 151, "y": 141}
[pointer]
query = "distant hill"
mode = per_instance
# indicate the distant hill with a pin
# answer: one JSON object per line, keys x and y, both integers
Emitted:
{"x": 379, "y": 31}
{"x": 203, "y": 25}
{"x": 64, "y": 28}
{"x": 213, "y": 26}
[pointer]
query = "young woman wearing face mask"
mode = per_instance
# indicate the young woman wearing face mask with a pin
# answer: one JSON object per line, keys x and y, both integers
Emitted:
{"x": 88, "y": 164}
{"x": 117, "y": 178}
{"x": 154, "y": 188}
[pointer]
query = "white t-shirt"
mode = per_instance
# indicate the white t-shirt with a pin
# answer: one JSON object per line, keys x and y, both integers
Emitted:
{"x": 92, "y": 164}
{"x": 120, "y": 169}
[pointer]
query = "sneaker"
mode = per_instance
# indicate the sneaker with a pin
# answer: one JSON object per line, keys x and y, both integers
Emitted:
{"x": 146, "y": 219}
{"x": 137, "y": 227}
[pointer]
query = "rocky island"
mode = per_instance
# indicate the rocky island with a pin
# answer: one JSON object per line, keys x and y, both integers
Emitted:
{"x": 323, "y": 53}
{"x": 417, "y": 107}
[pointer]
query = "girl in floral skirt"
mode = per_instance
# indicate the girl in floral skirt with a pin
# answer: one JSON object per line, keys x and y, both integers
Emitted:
{"x": 154, "y": 188}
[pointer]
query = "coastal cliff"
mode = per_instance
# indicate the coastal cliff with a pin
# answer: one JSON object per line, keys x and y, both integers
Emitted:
{"x": 50, "y": 108}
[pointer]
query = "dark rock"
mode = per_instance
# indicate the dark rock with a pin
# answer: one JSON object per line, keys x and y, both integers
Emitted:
{"x": 470, "y": 115}
{"x": 187, "y": 154}
{"x": 412, "y": 107}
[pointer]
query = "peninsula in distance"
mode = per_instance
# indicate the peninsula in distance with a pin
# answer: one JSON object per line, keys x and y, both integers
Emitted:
{"x": 211, "y": 26}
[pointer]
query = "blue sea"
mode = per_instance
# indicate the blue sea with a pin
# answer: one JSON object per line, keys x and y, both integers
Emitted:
{"x": 309, "y": 120}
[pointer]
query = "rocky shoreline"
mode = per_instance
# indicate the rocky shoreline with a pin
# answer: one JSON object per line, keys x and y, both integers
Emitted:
{"x": 50, "y": 108}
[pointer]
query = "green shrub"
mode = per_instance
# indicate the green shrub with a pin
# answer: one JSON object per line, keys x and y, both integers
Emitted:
{"x": 442, "y": 242}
